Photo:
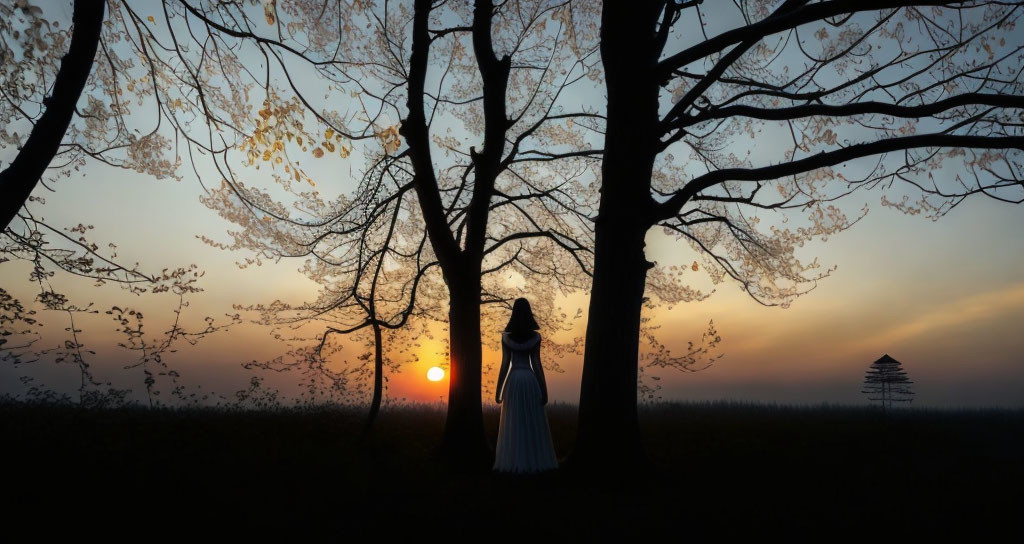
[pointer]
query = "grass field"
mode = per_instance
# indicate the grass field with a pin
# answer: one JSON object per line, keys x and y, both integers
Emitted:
{"x": 296, "y": 475}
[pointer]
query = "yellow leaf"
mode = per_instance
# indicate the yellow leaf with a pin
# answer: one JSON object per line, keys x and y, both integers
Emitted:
{"x": 318, "y": 152}
{"x": 328, "y": 134}
{"x": 151, "y": 19}
{"x": 694, "y": 266}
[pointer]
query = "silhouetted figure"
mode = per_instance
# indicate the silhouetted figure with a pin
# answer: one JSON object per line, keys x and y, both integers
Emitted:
{"x": 524, "y": 437}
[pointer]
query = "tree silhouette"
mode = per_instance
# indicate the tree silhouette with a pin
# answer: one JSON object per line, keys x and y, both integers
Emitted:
{"x": 43, "y": 142}
{"x": 515, "y": 200}
{"x": 772, "y": 107}
{"x": 64, "y": 105}
{"x": 510, "y": 201}
{"x": 887, "y": 382}
{"x": 67, "y": 95}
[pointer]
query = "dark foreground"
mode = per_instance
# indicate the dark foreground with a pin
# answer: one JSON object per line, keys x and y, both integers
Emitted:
{"x": 298, "y": 475}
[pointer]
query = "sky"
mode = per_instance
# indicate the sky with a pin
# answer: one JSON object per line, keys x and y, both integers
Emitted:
{"x": 945, "y": 298}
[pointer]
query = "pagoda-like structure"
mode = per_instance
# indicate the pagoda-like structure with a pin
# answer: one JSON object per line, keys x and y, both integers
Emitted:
{"x": 887, "y": 382}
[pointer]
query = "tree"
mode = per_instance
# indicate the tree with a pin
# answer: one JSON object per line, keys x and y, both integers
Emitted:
{"x": 887, "y": 382}
{"x": 43, "y": 84}
{"x": 510, "y": 203}
{"x": 868, "y": 93}
{"x": 44, "y": 139}
{"x": 67, "y": 96}
{"x": 23, "y": 66}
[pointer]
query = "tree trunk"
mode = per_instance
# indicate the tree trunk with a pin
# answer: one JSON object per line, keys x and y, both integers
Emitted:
{"x": 608, "y": 427}
{"x": 464, "y": 444}
{"x": 378, "y": 381}
{"x": 19, "y": 179}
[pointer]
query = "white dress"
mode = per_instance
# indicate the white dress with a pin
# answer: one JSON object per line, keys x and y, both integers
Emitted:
{"x": 524, "y": 437}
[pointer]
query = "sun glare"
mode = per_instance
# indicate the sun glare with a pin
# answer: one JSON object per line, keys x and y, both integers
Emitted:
{"x": 435, "y": 374}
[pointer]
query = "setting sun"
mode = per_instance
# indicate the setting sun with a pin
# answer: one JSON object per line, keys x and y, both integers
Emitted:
{"x": 435, "y": 374}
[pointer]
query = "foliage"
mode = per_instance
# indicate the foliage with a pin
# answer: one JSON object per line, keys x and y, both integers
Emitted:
{"x": 850, "y": 98}
{"x": 367, "y": 246}
{"x": 122, "y": 121}
{"x": 740, "y": 128}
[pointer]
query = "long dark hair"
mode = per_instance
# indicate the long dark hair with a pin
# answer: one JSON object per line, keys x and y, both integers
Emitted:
{"x": 522, "y": 322}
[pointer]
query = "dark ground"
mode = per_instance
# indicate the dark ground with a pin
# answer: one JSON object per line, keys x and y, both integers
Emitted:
{"x": 821, "y": 473}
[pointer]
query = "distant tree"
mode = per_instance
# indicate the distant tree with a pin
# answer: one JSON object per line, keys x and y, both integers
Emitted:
{"x": 887, "y": 382}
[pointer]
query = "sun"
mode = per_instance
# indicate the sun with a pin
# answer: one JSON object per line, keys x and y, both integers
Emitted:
{"x": 435, "y": 374}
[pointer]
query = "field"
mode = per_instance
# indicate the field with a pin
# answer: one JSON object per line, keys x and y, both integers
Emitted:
{"x": 724, "y": 469}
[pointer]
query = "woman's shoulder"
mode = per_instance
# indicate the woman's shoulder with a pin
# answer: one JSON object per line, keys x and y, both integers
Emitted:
{"x": 530, "y": 342}
{"x": 533, "y": 334}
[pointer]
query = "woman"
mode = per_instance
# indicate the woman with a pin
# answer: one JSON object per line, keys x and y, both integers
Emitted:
{"x": 524, "y": 437}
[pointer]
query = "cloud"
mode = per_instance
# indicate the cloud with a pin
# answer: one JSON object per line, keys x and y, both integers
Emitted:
{"x": 957, "y": 312}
